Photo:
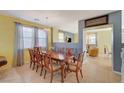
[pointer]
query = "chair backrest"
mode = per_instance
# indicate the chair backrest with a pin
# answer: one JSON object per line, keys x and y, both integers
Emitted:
{"x": 37, "y": 49}
{"x": 80, "y": 59}
{"x": 38, "y": 54}
{"x": 47, "y": 62}
{"x": 49, "y": 52}
{"x": 31, "y": 53}
{"x": 69, "y": 52}
{"x": 40, "y": 49}
{"x": 62, "y": 50}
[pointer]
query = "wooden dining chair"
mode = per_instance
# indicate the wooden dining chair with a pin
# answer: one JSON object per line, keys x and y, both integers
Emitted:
{"x": 37, "y": 55}
{"x": 32, "y": 57}
{"x": 39, "y": 60}
{"x": 69, "y": 52}
{"x": 69, "y": 55}
{"x": 76, "y": 66}
{"x": 62, "y": 50}
{"x": 37, "y": 49}
{"x": 49, "y": 67}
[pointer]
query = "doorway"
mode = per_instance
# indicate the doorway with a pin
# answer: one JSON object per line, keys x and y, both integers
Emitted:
{"x": 97, "y": 42}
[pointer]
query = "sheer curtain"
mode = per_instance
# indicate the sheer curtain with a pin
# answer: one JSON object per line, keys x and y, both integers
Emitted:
{"x": 19, "y": 46}
{"x": 36, "y": 40}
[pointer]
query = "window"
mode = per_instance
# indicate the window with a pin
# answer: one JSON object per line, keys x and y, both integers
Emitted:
{"x": 91, "y": 39}
{"x": 42, "y": 38}
{"x": 28, "y": 33}
{"x": 29, "y": 37}
{"x": 61, "y": 37}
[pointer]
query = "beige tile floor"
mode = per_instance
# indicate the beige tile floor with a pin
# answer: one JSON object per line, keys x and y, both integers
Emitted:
{"x": 95, "y": 70}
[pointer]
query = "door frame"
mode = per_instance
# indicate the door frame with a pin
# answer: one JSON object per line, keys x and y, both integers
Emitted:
{"x": 112, "y": 38}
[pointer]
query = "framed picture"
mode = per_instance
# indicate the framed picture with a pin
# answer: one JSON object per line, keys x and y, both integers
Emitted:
{"x": 68, "y": 39}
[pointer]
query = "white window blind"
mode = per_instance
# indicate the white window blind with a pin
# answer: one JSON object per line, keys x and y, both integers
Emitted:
{"x": 28, "y": 37}
{"x": 91, "y": 39}
{"x": 42, "y": 38}
{"x": 61, "y": 37}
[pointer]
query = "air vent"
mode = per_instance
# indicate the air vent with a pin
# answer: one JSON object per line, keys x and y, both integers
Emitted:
{"x": 36, "y": 19}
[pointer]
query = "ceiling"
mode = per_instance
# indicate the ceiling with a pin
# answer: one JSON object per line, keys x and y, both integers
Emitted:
{"x": 66, "y": 20}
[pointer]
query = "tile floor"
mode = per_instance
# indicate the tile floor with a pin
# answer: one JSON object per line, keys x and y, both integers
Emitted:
{"x": 95, "y": 70}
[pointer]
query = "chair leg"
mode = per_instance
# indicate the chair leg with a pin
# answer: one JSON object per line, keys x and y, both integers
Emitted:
{"x": 37, "y": 68}
{"x": 51, "y": 79}
{"x": 62, "y": 73}
{"x": 67, "y": 68}
{"x": 65, "y": 72}
{"x": 30, "y": 64}
{"x": 81, "y": 73}
{"x": 41, "y": 71}
{"x": 45, "y": 74}
{"x": 77, "y": 76}
{"x": 33, "y": 66}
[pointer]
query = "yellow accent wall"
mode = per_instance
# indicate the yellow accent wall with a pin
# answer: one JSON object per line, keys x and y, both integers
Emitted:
{"x": 104, "y": 39}
{"x": 7, "y": 37}
{"x": 75, "y": 37}
{"x": 7, "y": 32}
{"x": 55, "y": 34}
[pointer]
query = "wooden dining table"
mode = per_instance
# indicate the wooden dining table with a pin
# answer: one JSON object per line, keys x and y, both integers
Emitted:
{"x": 60, "y": 58}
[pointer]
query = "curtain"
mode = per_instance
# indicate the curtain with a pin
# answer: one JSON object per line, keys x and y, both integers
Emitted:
{"x": 33, "y": 41}
{"x": 19, "y": 46}
{"x": 36, "y": 40}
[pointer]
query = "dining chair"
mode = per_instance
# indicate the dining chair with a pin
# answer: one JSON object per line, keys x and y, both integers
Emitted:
{"x": 49, "y": 66}
{"x": 69, "y": 55}
{"x": 32, "y": 57}
{"x": 39, "y": 60}
{"x": 37, "y": 56}
{"x": 37, "y": 49}
{"x": 76, "y": 66}
{"x": 69, "y": 52}
{"x": 62, "y": 50}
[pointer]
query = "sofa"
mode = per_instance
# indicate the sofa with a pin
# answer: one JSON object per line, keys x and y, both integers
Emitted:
{"x": 3, "y": 61}
{"x": 93, "y": 52}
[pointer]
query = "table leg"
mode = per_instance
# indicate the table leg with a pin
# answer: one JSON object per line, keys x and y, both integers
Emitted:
{"x": 62, "y": 73}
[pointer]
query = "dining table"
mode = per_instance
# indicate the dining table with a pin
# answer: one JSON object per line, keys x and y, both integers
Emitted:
{"x": 59, "y": 58}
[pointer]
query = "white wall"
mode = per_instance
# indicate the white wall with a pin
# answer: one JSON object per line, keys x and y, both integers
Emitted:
{"x": 123, "y": 19}
{"x": 123, "y": 26}
{"x": 122, "y": 55}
